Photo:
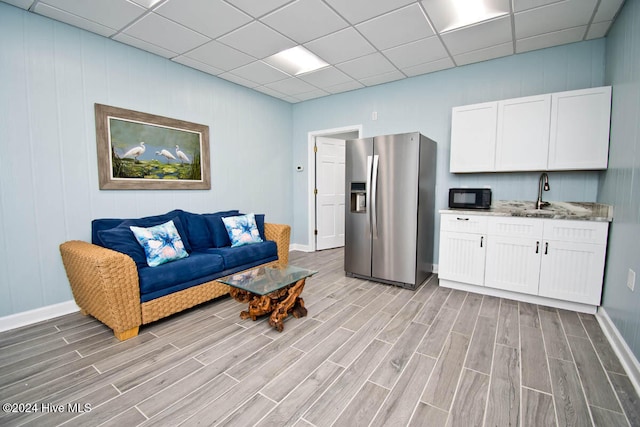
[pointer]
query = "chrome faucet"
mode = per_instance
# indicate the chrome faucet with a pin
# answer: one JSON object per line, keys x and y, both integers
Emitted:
{"x": 543, "y": 184}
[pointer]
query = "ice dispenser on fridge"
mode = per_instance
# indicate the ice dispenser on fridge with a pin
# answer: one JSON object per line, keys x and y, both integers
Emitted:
{"x": 358, "y": 197}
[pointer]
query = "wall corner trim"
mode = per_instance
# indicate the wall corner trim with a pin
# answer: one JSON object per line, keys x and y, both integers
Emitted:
{"x": 25, "y": 318}
{"x": 620, "y": 347}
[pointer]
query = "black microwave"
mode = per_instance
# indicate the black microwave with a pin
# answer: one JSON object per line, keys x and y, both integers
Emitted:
{"x": 470, "y": 198}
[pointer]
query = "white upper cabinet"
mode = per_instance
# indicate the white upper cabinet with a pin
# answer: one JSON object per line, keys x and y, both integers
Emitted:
{"x": 558, "y": 131}
{"x": 523, "y": 133}
{"x": 579, "y": 136}
{"x": 473, "y": 137}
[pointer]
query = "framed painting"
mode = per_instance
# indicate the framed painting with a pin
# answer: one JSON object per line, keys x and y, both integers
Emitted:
{"x": 140, "y": 151}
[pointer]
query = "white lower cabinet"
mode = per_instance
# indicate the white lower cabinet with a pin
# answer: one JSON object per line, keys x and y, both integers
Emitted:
{"x": 462, "y": 248}
{"x": 548, "y": 258}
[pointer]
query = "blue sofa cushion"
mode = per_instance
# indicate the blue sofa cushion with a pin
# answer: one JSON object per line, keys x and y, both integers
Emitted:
{"x": 196, "y": 266}
{"x": 122, "y": 239}
{"x": 218, "y": 231}
{"x": 247, "y": 254}
{"x": 201, "y": 234}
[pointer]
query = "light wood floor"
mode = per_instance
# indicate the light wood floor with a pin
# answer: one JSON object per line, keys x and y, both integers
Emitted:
{"x": 367, "y": 354}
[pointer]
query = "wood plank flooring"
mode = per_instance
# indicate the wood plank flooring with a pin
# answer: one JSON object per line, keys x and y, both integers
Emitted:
{"x": 367, "y": 354}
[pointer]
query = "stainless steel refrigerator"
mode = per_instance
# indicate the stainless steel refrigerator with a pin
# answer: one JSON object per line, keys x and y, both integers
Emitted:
{"x": 390, "y": 202}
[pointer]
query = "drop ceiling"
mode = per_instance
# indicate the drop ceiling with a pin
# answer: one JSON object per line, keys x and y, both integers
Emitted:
{"x": 365, "y": 42}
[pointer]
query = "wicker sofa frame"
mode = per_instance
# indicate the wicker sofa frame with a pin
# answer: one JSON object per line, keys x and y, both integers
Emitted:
{"x": 105, "y": 285}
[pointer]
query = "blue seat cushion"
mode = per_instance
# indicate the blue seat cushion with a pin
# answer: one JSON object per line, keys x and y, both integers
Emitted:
{"x": 246, "y": 254}
{"x": 197, "y": 265}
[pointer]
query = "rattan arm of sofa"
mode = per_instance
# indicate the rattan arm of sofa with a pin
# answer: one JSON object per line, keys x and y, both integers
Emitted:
{"x": 105, "y": 285}
{"x": 281, "y": 234}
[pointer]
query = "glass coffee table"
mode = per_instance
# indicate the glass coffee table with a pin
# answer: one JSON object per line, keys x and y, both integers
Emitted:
{"x": 270, "y": 289}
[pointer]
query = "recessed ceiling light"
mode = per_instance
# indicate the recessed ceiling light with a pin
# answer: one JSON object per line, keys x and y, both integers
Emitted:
{"x": 449, "y": 15}
{"x": 295, "y": 61}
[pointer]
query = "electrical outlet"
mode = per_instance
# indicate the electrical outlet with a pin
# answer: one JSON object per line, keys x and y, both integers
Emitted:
{"x": 631, "y": 279}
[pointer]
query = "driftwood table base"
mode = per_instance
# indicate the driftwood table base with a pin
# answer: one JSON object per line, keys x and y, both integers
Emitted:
{"x": 280, "y": 304}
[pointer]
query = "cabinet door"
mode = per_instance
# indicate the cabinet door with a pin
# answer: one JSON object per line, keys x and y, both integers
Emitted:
{"x": 523, "y": 133}
{"x": 513, "y": 264}
{"x": 462, "y": 257}
{"x": 580, "y": 122}
{"x": 473, "y": 137}
{"x": 572, "y": 271}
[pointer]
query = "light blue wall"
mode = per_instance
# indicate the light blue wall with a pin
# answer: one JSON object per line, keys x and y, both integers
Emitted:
{"x": 424, "y": 104}
{"x": 620, "y": 185}
{"x": 51, "y": 75}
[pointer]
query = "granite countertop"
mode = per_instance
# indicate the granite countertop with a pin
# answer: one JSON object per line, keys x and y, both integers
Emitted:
{"x": 582, "y": 211}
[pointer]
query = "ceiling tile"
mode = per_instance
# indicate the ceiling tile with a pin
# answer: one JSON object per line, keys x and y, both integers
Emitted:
{"x": 383, "y": 78}
{"x": 556, "y": 38}
{"x": 160, "y": 31}
{"x": 258, "y": 8}
{"x": 213, "y": 18}
{"x": 260, "y": 73}
{"x": 418, "y": 52}
{"x": 598, "y": 29}
{"x": 555, "y": 17}
{"x": 311, "y": 95}
{"x": 184, "y": 60}
{"x": 219, "y": 56}
{"x": 356, "y": 11}
{"x": 113, "y": 14}
{"x": 448, "y": 14}
{"x": 328, "y": 76}
{"x": 396, "y": 28}
{"x": 141, "y": 44}
{"x": 429, "y": 67}
{"x": 305, "y": 20}
{"x": 74, "y": 20}
{"x": 244, "y": 39}
{"x": 480, "y": 36}
{"x": 291, "y": 86}
{"x": 607, "y": 10}
{"x": 270, "y": 92}
{"x": 341, "y": 46}
{"x": 237, "y": 79}
{"x": 344, "y": 87}
{"x": 23, "y": 4}
{"x": 520, "y": 5}
{"x": 484, "y": 54}
{"x": 367, "y": 66}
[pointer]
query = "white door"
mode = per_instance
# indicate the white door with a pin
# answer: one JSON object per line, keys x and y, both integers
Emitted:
{"x": 330, "y": 172}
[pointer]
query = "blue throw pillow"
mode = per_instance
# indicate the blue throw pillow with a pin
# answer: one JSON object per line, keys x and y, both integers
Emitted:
{"x": 242, "y": 229}
{"x": 161, "y": 243}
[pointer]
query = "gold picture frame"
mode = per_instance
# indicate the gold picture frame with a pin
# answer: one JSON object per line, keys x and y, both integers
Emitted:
{"x": 141, "y": 151}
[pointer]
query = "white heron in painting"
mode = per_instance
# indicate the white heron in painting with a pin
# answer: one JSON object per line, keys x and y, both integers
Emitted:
{"x": 166, "y": 154}
{"x": 135, "y": 151}
{"x": 183, "y": 157}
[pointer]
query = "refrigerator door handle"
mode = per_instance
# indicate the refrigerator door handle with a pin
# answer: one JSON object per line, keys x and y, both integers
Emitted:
{"x": 368, "y": 200}
{"x": 374, "y": 197}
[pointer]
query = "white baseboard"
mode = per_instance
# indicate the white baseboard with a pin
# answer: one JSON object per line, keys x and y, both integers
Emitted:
{"x": 627, "y": 358}
{"x": 25, "y": 318}
{"x": 299, "y": 247}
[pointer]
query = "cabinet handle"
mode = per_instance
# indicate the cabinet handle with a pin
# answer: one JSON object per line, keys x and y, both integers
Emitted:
{"x": 546, "y": 248}
{"x": 481, "y": 240}
{"x": 462, "y": 219}
{"x": 537, "y": 247}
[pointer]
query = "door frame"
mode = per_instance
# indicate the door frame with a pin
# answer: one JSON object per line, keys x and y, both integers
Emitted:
{"x": 311, "y": 175}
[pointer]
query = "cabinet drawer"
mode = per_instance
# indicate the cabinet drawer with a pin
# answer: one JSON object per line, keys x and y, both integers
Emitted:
{"x": 576, "y": 231}
{"x": 464, "y": 223}
{"x": 515, "y": 227}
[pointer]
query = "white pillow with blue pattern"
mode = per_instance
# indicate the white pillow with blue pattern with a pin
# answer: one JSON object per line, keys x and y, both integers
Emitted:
{"x": 161, "y": 243}
{"x": 242, "y": 229}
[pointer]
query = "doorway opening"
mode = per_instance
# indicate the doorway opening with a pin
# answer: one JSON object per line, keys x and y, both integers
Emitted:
{"x": 326, "y": 210}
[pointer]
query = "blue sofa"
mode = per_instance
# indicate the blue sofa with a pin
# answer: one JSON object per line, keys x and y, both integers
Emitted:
{"x": 111, "y": 281}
